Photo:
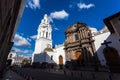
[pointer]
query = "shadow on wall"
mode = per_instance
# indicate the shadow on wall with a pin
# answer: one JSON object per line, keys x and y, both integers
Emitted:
{"x": 43, "y": 60}
{"x": 83, "y": 59}
{"x": 109, "y": 52}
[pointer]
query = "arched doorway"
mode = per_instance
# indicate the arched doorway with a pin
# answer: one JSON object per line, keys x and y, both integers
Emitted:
{"x": 79, "y": 58}
{"x": 78, "y": 55}
{"x": 112, "y": 58}
{"x": 61, "y": 62}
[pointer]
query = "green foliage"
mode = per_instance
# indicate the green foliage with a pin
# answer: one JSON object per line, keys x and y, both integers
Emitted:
{"x": 25, "y": 61}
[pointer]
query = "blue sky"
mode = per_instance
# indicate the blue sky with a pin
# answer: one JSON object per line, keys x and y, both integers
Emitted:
{"x": 63, "y": 13}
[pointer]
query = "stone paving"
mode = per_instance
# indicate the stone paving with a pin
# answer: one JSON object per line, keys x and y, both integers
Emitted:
{"x": 52, "y": 74}
{"x": 87, "y": 75}
{"x": 10, "y": 75}
{"x": 37, "y": 74}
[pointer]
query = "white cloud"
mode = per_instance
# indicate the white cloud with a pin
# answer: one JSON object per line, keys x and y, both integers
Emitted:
{"x": 34, "y": 37}
{"x": 29, "y": 39}
{"x": 33, "y": 4}
{"x": 21, "y": 41}
{"x": 73, "y": 4}
{"x": 85, "y": 6}
{"x": 22, "y": 50}
{"x": 16, "y": 49}
{"x": 56, "y": 28}
{"x": 58, "y": 15}
{"x": 70, "y": 6}
{"x": 26, "y": 51}
{"x": 27, "y": 56}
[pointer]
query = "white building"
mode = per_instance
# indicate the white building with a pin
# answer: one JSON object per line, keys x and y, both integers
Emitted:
{"x": 107, "y": 39}
{"x": 43, "y": 47}
{"x": 12, "y": 55}
{"x": 16, "y": 59}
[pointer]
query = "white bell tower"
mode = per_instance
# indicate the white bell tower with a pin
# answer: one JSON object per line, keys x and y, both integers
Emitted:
{"x": 44, "y": 37}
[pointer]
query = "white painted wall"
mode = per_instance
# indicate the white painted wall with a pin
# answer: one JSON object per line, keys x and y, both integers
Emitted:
{"x": 46, "y": 56}
{"x": 99, "y": 48}
{"x": 13, "y": 56}
{"x": 41, "y": 44}
{"x": 59, "y": 51}
{"x": 98, "y": 40}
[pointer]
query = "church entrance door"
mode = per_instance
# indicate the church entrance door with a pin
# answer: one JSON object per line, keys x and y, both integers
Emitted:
{"x": 61, "y": 62}
{"x": 112, "y": 58}
{"x": 78, "y": 55}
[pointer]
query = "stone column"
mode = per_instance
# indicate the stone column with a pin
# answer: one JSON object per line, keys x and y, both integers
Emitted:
{"x": 81, "y": 34}
{"x": 45, "y": 35}
{"x": 50, "y": 36}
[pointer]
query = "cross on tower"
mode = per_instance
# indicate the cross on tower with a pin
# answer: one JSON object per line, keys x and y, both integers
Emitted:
{"x": 106, "y": 43}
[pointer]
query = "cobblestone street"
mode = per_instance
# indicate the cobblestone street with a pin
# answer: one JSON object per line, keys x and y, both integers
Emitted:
{"x": 39, "y": 74}
{"x": 10, "y": 75}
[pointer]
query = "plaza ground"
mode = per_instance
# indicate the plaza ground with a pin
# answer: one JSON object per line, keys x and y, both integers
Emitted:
{"x": 56, "y": 74}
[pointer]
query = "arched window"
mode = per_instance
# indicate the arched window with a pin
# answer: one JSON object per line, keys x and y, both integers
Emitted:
{"x": 40, "y": 34}
{"x": 43, "y": 33}
{"x": 52, "y": 57}
{"x": 10, "y": 55}
{"x": 46, "y": 34}
{"x": 60, "y": 60}
{"x": 49, "y": 35}
{"x": 76, "y": 37}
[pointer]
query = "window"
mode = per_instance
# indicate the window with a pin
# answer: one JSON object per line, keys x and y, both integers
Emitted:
{"x": 10, "y": 55}
{"x": 43, "y": 33}
{"x": 49, "y": 35}
{"x": 40, "y": 34}
{"x": 52, "y": 57}
{"x": 46, "y": 34}
{"x": 76, "y": 37}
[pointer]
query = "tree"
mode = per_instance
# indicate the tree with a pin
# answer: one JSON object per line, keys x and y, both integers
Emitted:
{"x": 25, "y": 61}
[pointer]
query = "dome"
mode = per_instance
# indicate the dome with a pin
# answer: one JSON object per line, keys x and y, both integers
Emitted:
{"x": 48, "y": 49}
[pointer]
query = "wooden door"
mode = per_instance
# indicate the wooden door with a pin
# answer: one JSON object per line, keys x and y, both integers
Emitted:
{"x": 78, "y": 55}
{"x": 60, "y": 60}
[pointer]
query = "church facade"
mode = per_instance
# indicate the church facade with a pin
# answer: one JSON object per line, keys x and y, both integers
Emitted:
{"x": 43, "y": 47}
{"x": 79, "y": 45}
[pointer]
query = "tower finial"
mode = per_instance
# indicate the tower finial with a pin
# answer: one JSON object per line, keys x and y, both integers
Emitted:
{"x": 45, "y": 20}
{"x": 45, "y": 16}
